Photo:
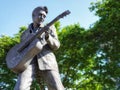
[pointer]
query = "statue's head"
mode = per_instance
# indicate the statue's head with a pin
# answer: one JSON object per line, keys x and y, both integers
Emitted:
{"x": 39, "y": 14}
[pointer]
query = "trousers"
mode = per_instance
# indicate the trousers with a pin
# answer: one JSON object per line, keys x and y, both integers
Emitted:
{"x": 51, "y": 78}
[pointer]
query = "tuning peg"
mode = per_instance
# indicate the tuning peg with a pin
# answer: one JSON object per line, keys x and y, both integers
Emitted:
{"x": 68, "y": 12}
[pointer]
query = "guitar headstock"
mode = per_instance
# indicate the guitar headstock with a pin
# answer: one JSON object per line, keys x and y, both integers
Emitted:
{"x": 65, "y": 13}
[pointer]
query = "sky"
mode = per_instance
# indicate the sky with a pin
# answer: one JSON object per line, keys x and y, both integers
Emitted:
{"x": 17, "y": 13}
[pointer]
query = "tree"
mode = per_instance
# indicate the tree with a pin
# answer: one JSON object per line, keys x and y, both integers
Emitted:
{"x": 76, "y": 58}
{"x": 106, "y": 33}
{"x": 89, "y": 59}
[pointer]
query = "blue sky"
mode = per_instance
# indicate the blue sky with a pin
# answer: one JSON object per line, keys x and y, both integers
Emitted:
{"x": 17, "y": 13}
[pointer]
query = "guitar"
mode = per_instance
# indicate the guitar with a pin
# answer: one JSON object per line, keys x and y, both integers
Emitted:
{"x": 20, "y": 56}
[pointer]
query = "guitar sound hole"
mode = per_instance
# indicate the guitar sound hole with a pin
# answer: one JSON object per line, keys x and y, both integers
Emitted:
{"x": 30, "y": 31}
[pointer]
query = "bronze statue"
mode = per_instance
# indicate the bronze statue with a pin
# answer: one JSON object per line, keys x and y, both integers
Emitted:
{"x": 34, "y": 55}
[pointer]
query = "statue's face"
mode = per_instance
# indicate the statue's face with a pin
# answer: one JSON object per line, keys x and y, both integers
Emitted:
{"x": 39, "y": 17}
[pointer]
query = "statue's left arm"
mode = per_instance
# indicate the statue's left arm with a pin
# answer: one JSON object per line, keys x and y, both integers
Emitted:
{"x": 52, "y": 39}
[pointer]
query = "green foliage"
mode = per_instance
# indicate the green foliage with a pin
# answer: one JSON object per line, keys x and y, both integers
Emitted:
{"x": 76, "y": 58}
{"x": 6, "y": 76}
{"x": 108, "y": 31}
{"x": 103, "y": 41}
{"x": 90, "y": 59}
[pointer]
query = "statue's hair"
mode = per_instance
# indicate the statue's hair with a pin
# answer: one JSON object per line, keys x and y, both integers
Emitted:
{"x": 44, "y": 8}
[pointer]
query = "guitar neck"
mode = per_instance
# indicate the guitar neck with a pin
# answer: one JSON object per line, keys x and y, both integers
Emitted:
{"x": 67, "y": 12}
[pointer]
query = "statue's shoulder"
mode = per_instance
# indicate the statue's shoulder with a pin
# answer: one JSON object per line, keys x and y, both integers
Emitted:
{"x": 26, "y": 33}
{"x": 29, "y": 29}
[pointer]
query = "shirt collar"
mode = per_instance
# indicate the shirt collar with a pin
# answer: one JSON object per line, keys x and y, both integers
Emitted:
{"x": 31, "y": 27}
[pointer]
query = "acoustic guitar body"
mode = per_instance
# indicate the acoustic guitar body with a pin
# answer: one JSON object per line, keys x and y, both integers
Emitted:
{"x": 18, "y": 61}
